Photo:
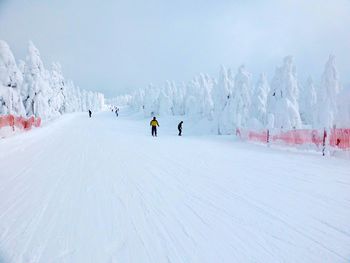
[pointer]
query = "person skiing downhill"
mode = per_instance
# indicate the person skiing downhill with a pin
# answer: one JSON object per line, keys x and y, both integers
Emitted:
{"x": 117, "y": 112}
{"x": 154, "y": 124}
{"x": 90, "y": 113}
{"x": 179, "y": 127}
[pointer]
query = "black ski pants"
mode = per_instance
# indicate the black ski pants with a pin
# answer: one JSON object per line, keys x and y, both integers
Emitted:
{"x": 154, "y": 130}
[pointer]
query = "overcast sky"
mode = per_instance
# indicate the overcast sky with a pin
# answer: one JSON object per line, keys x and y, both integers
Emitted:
{"x": 114, "y": 46}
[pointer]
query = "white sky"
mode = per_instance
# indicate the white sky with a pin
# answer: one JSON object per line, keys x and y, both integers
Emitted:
{"x": 114, "y": 46}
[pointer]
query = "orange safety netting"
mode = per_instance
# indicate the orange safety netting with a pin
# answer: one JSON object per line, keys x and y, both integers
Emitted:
{"x": 340, "y": 138}
{"x": 261, "y": 136}
{"x": 5, "y": 121}
{"x": 19, "y": 122}
{"x": 299, "y": 137}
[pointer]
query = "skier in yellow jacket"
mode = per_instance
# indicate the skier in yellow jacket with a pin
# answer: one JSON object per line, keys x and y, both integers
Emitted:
{"x": 154, "y": 124}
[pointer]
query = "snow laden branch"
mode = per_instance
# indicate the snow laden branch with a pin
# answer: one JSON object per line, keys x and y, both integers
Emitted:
{"x": 232, "y": 101}
{"x": 28, "y": 89}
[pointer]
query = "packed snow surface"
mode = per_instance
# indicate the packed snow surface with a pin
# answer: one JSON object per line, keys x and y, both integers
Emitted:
{"x": 104, "y": 190}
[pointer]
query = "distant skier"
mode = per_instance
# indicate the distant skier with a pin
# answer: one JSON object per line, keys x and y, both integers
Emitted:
{"x": 90, "y": 113}
{"x": 117, "y": 112}
{"x": 179, "y": 127}
{"x": 154, "y": 124}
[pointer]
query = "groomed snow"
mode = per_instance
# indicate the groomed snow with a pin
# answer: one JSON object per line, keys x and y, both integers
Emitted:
{"x": 103, "y": 190}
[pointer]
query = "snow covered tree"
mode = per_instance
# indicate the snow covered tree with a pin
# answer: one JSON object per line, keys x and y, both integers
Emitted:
{"x": 308, "y": 103}
{"x": 37, "y": 90}
{"x": 283, "y": 97}
{"x": 165, "y": 101}
{"x": 221, "y": 91}
{"x": 136, "y": 100}
{"x": 165, "y": 104}
{"x": 192, "y": 99}
{"x": 72, "y": 97}
{"x": 84, "y": 103}
{"x": 91, "y": 101}
{"x": 10, "y": 82}
{"x": 79, "y": 98}
{"x": 343, "y": 118}
{"x": 101, "y": 100}
{"x": 57, "y": 100}
{"x": 259, "y": 103}
{"x": 236, "y": 112}
{"x": 30, "y": 89}
{"x": 178, "y": 98}
{"x": 242, "y": 96}
{"x": 227, "y": 123}
{"x": 327, "y": 96}
{"x": 207, "y": 104}
{"x": 151, "y": 105}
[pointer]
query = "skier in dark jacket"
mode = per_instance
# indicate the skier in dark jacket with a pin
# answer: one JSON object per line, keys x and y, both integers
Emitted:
{"x": 154, "y": 124}
{"x": 179, "y": 127}
{"x": 90, "y": 113}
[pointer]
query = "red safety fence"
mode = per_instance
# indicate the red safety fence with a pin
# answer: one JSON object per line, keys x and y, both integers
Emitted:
{"x": 19, "y": 122}
{"x": 299, "y": 137}
{"x": 258, "y": 136}
{"x": 338, "y": 138}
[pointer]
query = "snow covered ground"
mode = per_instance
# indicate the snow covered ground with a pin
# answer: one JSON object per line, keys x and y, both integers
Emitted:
{"x": 103, "y": 190}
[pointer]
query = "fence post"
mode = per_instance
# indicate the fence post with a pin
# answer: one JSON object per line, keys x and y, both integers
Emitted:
{"x": 268, "y": 137}
{"x": 12, "y": 121}
{"x": 238, "y": 133}
{"x": 324, "y": 142}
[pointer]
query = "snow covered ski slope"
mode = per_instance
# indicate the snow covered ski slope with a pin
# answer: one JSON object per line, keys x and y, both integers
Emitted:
{"x": 103, "y": 190}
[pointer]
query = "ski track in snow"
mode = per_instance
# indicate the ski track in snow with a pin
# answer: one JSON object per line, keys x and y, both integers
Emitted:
{"x": 103, "y": 190}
